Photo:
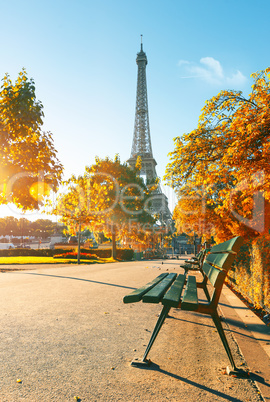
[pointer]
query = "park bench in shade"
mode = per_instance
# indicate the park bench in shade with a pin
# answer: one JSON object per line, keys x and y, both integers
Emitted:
{"x": 181, "y": 292}
{"x": 195, "y": 263}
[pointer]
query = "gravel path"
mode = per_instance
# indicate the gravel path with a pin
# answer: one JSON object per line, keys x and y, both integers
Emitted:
{"x": 66, "y": 333}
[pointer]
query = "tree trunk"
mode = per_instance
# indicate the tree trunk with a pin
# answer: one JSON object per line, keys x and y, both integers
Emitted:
{"x": 79, "y": 245}
{"x": 113, "y": 242}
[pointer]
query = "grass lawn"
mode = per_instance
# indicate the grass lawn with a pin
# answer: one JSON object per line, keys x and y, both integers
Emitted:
{"x": 49, "y": 260}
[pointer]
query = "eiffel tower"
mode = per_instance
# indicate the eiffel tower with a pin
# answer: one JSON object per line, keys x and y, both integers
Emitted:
{"x": 141, "y": 145}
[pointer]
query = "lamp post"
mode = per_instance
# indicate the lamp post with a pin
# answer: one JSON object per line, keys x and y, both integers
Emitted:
{"x": 22, "y": 232}
{"x": 195, "y": 245}
{"x": 79, "y": 243}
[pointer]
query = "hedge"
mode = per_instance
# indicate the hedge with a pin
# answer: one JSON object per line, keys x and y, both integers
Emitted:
{"x": 27, "y": 252}
{"x": 250, "y": 274}
{"x": 121, "y": 253}
{"x": 72, "y": 255}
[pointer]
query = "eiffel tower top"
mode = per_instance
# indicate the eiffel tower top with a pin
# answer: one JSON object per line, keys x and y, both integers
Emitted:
{"x": 141, "y": 56}
{"x": 141, "y": 145}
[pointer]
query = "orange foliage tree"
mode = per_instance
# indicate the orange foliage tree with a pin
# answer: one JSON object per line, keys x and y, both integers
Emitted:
{"x": 29, "y": 167}
{"x": 221, "y": 170}
{"x": 110, "y": 197}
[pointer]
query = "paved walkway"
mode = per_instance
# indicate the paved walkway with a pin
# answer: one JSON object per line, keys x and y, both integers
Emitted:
{"x": 66, "y": 333}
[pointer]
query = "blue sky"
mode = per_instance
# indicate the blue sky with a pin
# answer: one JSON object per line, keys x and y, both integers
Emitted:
{"x": 82, "y": 57}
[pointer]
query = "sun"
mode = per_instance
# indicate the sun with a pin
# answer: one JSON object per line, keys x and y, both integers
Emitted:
{"x": 39, "y": 190}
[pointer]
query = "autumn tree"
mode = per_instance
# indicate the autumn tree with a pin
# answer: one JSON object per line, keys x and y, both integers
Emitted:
{"x": 110, "y": 197}
{"x": 29, "y": 167}
{"x": 23, "y": 227}
{"x": 44, "y": 228}
{"x": 9, "y": 226}
{"x": 221, "y": 170}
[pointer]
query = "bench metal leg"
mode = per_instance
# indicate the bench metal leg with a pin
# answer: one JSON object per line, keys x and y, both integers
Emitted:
{"x": 235, "y": 371}
{"x": 160, "y": 321}
{"x": 222, "y": 335}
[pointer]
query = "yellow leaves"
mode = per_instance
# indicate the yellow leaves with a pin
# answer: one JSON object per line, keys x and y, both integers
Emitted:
{"x": 107, "y": 196}
{"x": 25, "y": 148}
{"x": 138, "y": 164}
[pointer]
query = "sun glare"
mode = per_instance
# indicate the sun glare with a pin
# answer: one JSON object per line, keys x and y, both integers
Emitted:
{"x": 39, "y": 190}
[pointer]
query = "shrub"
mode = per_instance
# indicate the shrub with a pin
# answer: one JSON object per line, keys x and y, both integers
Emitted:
{"x": 22, "y": 252}
{"x": 99, "y": 253}
{"x": 121, "y": 254}
{"x": 124, "y": 254}
{"x": 73, "y": 256}
{"x": 250, "y": 274}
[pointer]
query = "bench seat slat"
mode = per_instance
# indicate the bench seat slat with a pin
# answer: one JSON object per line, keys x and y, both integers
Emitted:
{"x": 190, "y": 298}
{"x": 191, "y": 262}
{"x": 191, "y": 265}
{"x": 137, "y": 294}
{"x": 173, "y": 295}
{"x": 157, "y": 292}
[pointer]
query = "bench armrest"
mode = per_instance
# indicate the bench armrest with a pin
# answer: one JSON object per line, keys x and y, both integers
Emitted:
{"x": 137, "y": 294}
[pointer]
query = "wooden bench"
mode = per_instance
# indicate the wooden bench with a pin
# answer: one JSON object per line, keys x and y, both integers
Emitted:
{"x": 195, "y": 263}
{"x": 181, "y": 292}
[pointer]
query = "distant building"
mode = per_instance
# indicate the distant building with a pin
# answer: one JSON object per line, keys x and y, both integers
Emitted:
{"x": 184, "y": 244}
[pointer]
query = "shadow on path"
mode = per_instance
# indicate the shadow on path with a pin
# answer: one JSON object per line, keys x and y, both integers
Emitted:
{"x": 237, "y": 324}
{"x": 155, "y": 367}
{"x": 231, "y": 307}
{"x": 78, "y": 279}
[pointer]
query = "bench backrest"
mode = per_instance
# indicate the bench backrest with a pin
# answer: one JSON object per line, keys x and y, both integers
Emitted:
{"x": 200, "y": 256}
{"x": 218, "y": 262}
